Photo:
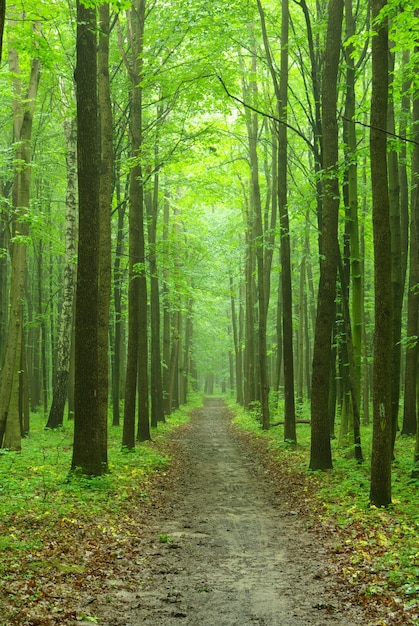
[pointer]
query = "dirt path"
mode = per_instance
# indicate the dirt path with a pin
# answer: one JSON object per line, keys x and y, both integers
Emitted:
{"x": 224, "y": 553}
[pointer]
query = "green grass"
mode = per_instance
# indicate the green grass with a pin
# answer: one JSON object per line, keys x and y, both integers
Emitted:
{"x": 382, "y": 545}
{"x": 36, "y": 493}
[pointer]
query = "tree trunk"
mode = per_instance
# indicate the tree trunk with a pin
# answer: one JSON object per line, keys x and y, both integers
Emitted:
{"x": 320, "y": 455}
{"x": 136, "y": 377}
{"x": 352, "y": 204}
{"x": 105, "y": 208}
{"x": 22, "y": 131}
{"x": 380, "y": 489}
{"x": 117, "y": 297}
{"x": 415, "y": 212}
{"x": 166, "y": 316}
{"x": 409, "y": 426}
{"x": 258, "y": 241}
{"x": 56, "y": 414}
{"x": 88, "y": 435}
{"x": 156, "y": 383}
{"x": 397, "y": 278}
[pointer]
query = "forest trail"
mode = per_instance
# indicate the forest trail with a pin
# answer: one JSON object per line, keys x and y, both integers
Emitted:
{"x": 221, "y": 551}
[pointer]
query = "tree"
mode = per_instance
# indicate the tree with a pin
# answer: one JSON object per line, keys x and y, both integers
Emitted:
{"x": 415, "y": 219}
{"x": 137, "y": 356}
{"x": 88, "y": 426}
{"x": 56, "y": 413}
{"x": 152, "y": 207}
{"x": 106, "y": 179}
{"x": 380, "y": 488}
{"x": 23, "y": 111}
{"x": 320, "y": 454}
{"x": 281, "y": 93}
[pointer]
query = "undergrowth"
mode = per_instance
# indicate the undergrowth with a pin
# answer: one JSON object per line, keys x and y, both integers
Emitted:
{"x": 379, "y": 546}
{"x": 46, "y": 517}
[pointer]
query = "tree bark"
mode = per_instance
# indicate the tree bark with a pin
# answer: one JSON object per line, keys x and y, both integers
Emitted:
{"x": 105, "y": 208}
{"x": 380, "y": 488}
{"x": 415, "y": 212}
{"x": 156, "y": 383}
{"x": 88, "y": 435}
{"x": 257, "y": 241}
{"x": 56, "y": 414}
{"x": 22, "y": 131}
{"x": 409, "y": 426}
{"x": 136, "y": 377}
{"x": 320, "y": 453}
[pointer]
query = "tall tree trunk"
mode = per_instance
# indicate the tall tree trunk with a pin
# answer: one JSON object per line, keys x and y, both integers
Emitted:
{"x": 117, "y": 297}
{"x": 316, "y": 122}
{"x": 235, "y": 323}
{"x": 136, "y": 376}
{"x": 156, "y": 383}
{"x": 88, "y": 435}
{"x": 281, "y": 92}
{"x": 380, "y": 489}
{"x": 166, "y": 315}
{"x": 250, "y": 394}
{"x": 56, "y": 413}
{"x": 415, "y": 212}
{"x": 352, "y": 203}
{"x": 259, "y": 242}
{"x": 105, "y": 208}
{"x": 290, "y": 433}
{"x": 412, "y": 348}
{"x": 23, "y": 109}
{"x": 397, "y": 278}
{"x": 320, "y": 454}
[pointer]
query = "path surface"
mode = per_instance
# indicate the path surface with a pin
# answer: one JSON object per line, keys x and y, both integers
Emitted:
{"x": 235, "y": 556}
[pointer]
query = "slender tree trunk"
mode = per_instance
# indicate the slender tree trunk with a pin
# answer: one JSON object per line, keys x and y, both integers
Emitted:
{"x": 136, "y": 376}
{"x": 290, "y": 433}
{"x": 352, "y": 204}
{"x": 258, "y": 241}
{"x": 409, "y": 426}
{"x": 117, "y": 297}
{"x": 320, "y": 456}
{"x": 156, "y": 383}
{"x": 397, "y": 279}
{"x": 166, "y": 316}
{"x": 56, "y": 413}
{"x": 235, "y": 322}
{"x": 380, "y": 489}
{"x": 415, "y": 212}
{"x": 250, "y": 394}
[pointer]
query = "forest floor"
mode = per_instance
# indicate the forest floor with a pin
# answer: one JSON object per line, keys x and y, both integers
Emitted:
{"x": 221, "y": 536}
{"x": 222, "y": 547}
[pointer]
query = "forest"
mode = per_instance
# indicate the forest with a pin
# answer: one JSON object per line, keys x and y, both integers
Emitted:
{"x": 205, "y": 199}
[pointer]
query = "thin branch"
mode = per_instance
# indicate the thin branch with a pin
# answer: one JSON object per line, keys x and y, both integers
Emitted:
{"x": 264, "y": 114}
{"x": 382, "y": 130}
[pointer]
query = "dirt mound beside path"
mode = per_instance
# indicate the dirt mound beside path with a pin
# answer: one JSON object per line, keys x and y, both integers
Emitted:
{"x": 222, "y": 551}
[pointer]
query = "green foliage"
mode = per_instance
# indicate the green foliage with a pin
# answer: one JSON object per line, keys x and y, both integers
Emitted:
{"x": 36, "y": 492}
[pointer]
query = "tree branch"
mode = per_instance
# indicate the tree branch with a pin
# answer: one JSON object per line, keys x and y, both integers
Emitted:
{"x": 264, "y": 114}
{"x": 382, "y": 130}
